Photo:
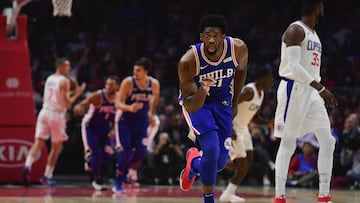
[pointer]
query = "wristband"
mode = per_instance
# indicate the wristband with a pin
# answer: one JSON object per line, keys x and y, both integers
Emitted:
{"x": 321, "y": 90}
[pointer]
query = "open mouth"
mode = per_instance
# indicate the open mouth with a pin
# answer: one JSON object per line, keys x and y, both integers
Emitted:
{"x": 211, "y": 49}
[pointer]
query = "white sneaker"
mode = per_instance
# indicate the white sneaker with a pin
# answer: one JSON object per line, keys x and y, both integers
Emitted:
{"x": 226, "y": 197}
{"x": 97, "y": 186}
{"x": 266, "y": 181}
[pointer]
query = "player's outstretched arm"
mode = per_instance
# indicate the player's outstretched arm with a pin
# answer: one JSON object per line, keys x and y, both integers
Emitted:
{"x": 94, "y": 98}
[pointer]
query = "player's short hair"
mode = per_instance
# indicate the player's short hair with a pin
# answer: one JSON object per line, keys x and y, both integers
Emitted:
{"x": 145, "y": 62}
{"x": 308, "y": 6}
{"x": 213, "y": 20}
{"x": 60, "y": 61}
{"x": 115, "y": 78}
{"x": 261, "y": 71}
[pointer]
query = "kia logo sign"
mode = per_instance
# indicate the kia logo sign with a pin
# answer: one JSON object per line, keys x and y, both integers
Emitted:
{"x": 13, "y": 153}
{"x": 12, "y": 83}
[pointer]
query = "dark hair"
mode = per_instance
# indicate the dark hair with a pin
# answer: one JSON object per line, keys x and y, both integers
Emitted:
{"x": 261, "y": 71}
{"x": 145, "y": 62}
{"x": 60, "y": 61}
{"x": 213, "y": 21}
{"x": 308, "y": 6}
{"x": 114, "y": 77}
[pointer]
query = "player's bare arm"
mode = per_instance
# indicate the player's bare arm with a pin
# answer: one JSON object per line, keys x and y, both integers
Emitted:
{"x": 68, "y": 96}
{"x": 123, "y": 93}
{"x": 241, "y": 53}
{"x": 155, "y": 99}
{"x": 293, "y": 36}
{"x": 94, "y": 98}
{"x": 247, "y": 94}
{"x": 193, "y": 97}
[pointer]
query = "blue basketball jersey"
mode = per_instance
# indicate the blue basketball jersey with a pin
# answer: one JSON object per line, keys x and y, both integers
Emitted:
{"x": 217, "y": 106}
{"x": 222, "y": 72}
{"x": 139, "y": 95}
{"x": 101, "y": 116}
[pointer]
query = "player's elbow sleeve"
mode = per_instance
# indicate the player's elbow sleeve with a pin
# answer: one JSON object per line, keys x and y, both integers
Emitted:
{"x": 293, "y": 53}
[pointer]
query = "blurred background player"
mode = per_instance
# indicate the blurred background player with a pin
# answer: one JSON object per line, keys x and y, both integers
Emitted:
{"x": 241, "y": 151}
{"x": 137, "y": 101}
{"x": 51, "y": 121}
{"x": 153, "y": 128}
{"x": 211, "y": 76}
{"x": 302, "y": 100}
{"x": 95, "y": 127}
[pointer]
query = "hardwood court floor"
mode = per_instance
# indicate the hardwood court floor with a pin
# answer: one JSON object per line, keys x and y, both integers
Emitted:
{"x": 157, "y": 194}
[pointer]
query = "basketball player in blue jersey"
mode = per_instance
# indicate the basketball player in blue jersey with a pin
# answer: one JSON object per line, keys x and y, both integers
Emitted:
{"x": 211, "y": 76}
{"x": 96, "y": 125}
{"x": 137, "y": 101}
{"x": 302, "y": 100}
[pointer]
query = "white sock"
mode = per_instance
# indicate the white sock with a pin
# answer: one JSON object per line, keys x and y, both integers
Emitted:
{"x": 324, "y": 189}
{"x": 49, "y": 171}
{"x": 231, "y": 188}
{"x": 286, "y": 150}
{"x": 325, "y": 159}
{"x": 29, "y": 161}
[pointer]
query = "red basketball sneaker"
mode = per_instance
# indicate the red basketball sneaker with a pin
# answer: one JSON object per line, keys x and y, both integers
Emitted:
{"x": 281, "y": 199}
{"x": 325, "y": 199}
{"x": 187, "y": 176}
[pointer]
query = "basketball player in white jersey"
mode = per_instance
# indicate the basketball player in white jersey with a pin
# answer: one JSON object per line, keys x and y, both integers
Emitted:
{"x": 51, "y": 122}
{"x": 241, "y": 151}
{"x": 301, "y": 100}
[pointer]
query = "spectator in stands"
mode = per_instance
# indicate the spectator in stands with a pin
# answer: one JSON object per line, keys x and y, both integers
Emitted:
{"x": 262, "y": 164}
{"x": 303, "y": 166}
{"x": 350, "y": 153}
{"x": 167, "y": 159}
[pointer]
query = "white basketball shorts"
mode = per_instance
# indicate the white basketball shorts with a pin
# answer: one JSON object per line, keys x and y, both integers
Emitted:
{"x": 242, "y": 144}
{"x": 300, "y": 110}
{"x": 51, "y": 124}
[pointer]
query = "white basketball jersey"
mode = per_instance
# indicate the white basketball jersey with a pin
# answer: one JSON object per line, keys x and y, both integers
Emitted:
{"x": 53, "y": 99}
{"x": 247, "y": 109}
{"x": 310, "y": 54}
